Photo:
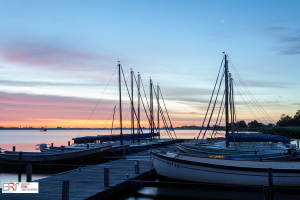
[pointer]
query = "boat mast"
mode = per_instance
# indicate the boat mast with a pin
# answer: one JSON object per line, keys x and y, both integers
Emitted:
{"x": 120, "y": 100}
{"x": 132, "y": 114}
{"x": 139, "y": 96}
{"x": 151, "y": 109}
{"x": 226, "y": 99}
{"x": 158, "y": 131}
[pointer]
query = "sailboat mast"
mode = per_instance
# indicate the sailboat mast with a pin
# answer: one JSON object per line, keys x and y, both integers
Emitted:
{"x": 139, "y": 96}
{"x": 151, "y": 109}
{"x": 158, "y": 131}
{"x": 226, "y": 99}
{"x": 120, "y": 102}
{"x": 132, "y": 114}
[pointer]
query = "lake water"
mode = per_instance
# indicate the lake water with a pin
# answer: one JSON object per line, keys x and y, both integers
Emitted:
{"x": 25, "y": 140}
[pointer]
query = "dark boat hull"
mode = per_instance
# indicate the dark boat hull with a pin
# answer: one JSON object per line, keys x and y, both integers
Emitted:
{"x": 80, "y": 157}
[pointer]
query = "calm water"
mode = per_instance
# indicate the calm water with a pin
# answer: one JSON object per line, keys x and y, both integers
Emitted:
{"x": 25, "y": 140}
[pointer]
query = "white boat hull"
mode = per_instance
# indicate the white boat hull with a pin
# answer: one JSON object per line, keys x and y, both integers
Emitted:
{"x": 213, "y": 170}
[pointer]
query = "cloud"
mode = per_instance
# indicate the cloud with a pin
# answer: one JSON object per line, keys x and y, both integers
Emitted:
{"x": 262, "y": 84}
{"x": 51, "y": 56}
{"x": 288, "y": 40}
{"x": 46, "y": 83}
{"x": 40, "y": 107}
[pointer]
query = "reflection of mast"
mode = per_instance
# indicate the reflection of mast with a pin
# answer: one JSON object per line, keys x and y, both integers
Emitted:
{"x": 139, "y": 96}
{"x": 120, "y": 102}
{"x": 132, "y": 114}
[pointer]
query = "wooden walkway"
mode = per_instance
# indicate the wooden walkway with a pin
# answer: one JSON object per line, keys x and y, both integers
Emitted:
{"x": 88, "y": 183}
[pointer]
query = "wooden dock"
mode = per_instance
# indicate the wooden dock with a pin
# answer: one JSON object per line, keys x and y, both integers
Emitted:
{"x": 88, "y": 182}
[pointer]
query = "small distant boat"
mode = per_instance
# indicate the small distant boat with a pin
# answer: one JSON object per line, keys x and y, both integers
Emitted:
{"x": 43, "y": 129}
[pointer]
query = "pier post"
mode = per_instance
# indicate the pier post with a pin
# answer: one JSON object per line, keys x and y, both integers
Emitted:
{"x": 62, "y": 148}
{"x": 297, "y": 143}
{"x": 137, "y": 167}
{"x": 68, "y": 143}
{"x": 87, "y": 146}
{"x": 20, "y": 166}
{"x": 270, "y": 176}
{"x": 267, "y": 192}
{"x": 14, "y": 148}
{"x": 29, "y": 173}
{"x": 65, "y": 190}
{"x": 51, "y": 144}
{"x": 106, "y": 177}
{"x": 124, "y": 152}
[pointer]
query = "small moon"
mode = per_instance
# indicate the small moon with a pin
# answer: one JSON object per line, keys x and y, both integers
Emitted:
{"x": 222, "y": 20}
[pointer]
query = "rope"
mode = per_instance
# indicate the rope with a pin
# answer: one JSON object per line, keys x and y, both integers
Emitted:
{"x": 97, "y": 102}
{"x": 210, "y": 101}
{"x": 213, "y": 106}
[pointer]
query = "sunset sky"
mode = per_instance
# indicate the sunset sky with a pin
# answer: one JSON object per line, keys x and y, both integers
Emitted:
{"x": 57, "y": 57}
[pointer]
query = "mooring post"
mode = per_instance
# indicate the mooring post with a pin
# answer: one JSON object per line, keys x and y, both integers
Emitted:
{"x": 65, "y": 190}
{"x": 29, "y": 173}
{"x": 267, "y": 192}
{"x": 20, "y": 166}
{"x": 137, "y": 167}
{"x": 87, "y": 145}
{"x": 68, "y": 143}
{"x": 62, "y": 148}
{"x": 14, "y": 148}
{"x": 298, "y": 143}
{"x": 51, "y": 144}
{"x": 106, "y": 177}
{"x": 270, "y": 176}
{"x": 124, "y": 152}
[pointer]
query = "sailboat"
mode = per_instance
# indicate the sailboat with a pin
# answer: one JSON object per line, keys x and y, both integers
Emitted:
{"x": 215, "y": 165}
{"x": 131, "y": 143}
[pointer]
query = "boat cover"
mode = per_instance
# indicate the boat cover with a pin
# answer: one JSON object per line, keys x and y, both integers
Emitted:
{"x": 243, "y": 137}
{"x": 103, "y": 138}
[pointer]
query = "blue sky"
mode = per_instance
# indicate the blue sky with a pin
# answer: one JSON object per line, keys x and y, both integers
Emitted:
{"x": 69, "y": 49}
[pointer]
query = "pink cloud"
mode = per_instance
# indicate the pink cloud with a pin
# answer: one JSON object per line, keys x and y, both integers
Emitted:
{"x": 52, "y": 57}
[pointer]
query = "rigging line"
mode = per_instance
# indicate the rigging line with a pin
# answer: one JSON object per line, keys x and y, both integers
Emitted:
{"x": 250, "y": 108}
{"x": 214, "y": 105}
{"x": 162, "y": 97}
{"x": 259, "y": 106}
{"x": 218, "y": 114}
{"x": 116, "y": 100}
{"x": 165, "y": 124}
{"x": 142, "y": 97}
{"x": 161, "y": 112}
{"x": 210, "y": 100}
{"x": 256, "y": 117}
{"x": 108, "y": 119}
{"x": 97, "y": 102}
{"x": 131, "y": 100}
{"x": 250, "y": 94}
{"x": 220, "y": 121}
{"x": 145, "y": 93}
{"x": 112, "y": 123}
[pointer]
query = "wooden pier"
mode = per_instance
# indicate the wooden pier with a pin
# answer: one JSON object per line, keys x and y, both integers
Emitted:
{"x": 88, "y": 182}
